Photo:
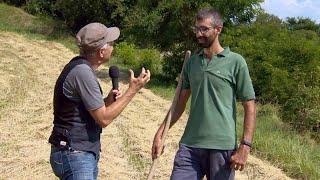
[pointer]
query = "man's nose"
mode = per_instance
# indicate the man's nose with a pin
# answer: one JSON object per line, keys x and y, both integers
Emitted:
{"x": 199, "y": 34}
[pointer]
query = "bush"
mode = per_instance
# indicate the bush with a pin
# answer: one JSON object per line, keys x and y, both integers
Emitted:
{"x": 39, "y": 7}
{"x": 172, "y": 64}
{"x": 127, "y": 53}
{"x": 15, "y": 2}
{"x": 150, "y": 59}
{"x": 78, "y": 13}
{"x": 135, "y": 58}
{"x": 81, "y": 12}
{"x": 302, "y": 110}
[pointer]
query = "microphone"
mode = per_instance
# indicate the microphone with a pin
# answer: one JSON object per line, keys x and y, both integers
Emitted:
{"x": 114, "y": 75}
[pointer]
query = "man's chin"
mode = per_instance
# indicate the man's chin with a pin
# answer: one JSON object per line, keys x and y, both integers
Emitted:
{"x": 204, "y": 45}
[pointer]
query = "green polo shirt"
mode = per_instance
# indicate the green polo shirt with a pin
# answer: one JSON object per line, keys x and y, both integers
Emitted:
{"x": 215, "y": 86}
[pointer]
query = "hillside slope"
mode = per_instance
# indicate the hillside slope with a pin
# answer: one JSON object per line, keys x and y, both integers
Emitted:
{"x": 28, "y": 70}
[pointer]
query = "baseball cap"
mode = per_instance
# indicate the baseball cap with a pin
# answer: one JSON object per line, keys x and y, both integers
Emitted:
{"x": 95, "y": 35}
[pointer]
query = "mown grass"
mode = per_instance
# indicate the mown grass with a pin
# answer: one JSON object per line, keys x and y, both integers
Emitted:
{"x": 16, "y": 20}
{"x": 135, "y": 158}
{"x": 298, "y": 155}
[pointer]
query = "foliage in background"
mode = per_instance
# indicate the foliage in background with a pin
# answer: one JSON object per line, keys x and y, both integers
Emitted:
{"x": 297, "y": 155}
{"x": 302, "y": 24}
{"x": 283, "y": 57}
{"x": 17, "y": 20}
{"x": 163, "y": 24}
{"x": 135, "y": 58}
{"x": 40, "y": 7}
{"x": 284, "y": 65}
{"x": 302, "y": 110}
{"x": 167, "y": 25}
{"x": 296, "y": 83}
{"x": 77, "y": 13}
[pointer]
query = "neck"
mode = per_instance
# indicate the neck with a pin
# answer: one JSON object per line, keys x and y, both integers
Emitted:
{"x": 215, "y": 48}
{"x": 94, "y": 63}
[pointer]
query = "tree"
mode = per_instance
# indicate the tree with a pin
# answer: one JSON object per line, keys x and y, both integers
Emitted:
{"x": 78, "y": 13}
{"x": 285, "y": 67}
{"x": 167, "y": 24}
{"x": 301, "y": 23}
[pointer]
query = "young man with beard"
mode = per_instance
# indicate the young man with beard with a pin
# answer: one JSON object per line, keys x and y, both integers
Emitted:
{"x": 215, "y": 77}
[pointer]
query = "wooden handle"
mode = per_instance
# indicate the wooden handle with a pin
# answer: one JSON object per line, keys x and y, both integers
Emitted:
{"x": 171, "y": 111}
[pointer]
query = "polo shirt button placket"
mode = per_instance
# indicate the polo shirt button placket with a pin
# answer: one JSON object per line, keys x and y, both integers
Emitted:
{"x": 204, "y": 64}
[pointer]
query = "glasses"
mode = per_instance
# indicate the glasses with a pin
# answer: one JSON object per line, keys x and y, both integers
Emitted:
{"x": 201, "y": 29}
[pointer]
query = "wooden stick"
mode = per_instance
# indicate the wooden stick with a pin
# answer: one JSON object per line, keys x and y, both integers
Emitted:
{"x": 170, "y": 113}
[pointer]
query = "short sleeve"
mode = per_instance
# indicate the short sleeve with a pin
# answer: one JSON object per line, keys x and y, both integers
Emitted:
{"x": 88, "y": 88}
{"x": 244, "y": 87}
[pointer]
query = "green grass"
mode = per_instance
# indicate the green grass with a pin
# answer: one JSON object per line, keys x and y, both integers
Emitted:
{"x": 298, "y": 155}
{"x": 16, "y": 20}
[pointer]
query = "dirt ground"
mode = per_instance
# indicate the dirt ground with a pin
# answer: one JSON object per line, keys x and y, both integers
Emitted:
{"x": 28, "y": 71}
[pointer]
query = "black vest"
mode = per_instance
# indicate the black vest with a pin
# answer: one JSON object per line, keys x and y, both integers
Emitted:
{"x": 72, "y": 122}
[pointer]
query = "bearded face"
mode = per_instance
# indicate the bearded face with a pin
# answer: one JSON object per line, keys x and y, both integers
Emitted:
{"x": 206, "y": 34}
{"x": 205, "y": 41}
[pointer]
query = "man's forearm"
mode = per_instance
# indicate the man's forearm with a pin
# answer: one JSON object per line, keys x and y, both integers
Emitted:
{"x": 174, "y": 119}
{"x": 177, "y": 114}
{"x": 180, "y": 106}
{"x": 249, "y": 120}
{"x": 107, "y": 113}
{"x": 179, "y": 109}
{"x": 114, "y": 109}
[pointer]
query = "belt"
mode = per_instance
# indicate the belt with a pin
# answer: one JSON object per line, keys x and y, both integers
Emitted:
{"x": 62, "y": 146}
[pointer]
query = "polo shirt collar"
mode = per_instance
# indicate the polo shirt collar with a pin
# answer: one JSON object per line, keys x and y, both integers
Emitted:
{"x": 224, "y": 53}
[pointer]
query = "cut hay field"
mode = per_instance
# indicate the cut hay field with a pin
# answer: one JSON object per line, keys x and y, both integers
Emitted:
{"x": 28, "y": 70}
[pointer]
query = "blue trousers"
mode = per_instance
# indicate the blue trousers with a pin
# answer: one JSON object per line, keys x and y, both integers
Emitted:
{"x": 195, "y": 163}
{"x": 69, "y": 164}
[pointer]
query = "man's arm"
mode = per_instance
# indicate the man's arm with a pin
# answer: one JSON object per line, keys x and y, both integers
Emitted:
{"x": 179, "y": 109}
{"x": 249, "y": 120}
{"x": 106, "y": 114}
{"x": 240, "y": 157}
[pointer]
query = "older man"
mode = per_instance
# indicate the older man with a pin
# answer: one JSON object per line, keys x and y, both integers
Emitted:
{"x": 79, "y": 108}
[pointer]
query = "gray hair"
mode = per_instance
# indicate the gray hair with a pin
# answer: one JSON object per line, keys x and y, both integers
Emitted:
{"x": 92, "y": 53}
{"x": 213, "y": 14}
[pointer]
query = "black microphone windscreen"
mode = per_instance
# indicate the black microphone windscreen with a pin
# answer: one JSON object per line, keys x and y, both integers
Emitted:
{"x": 114, "y": 72}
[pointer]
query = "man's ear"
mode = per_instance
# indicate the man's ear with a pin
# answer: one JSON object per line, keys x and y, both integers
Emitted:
{"x": 218, "y": 29}
{"x": 100, "y": 53}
